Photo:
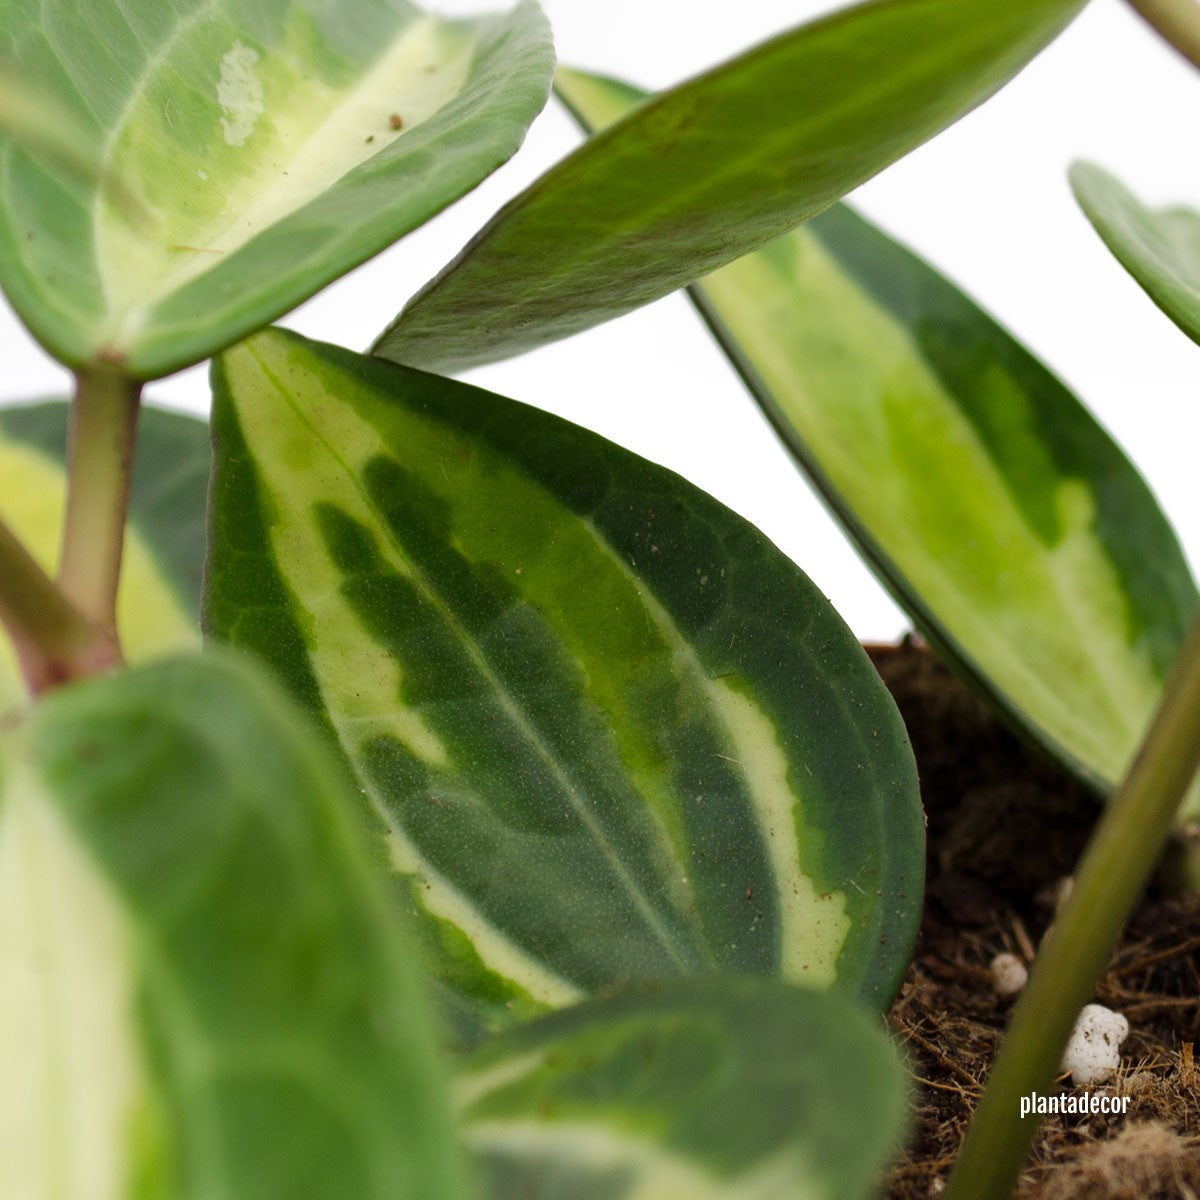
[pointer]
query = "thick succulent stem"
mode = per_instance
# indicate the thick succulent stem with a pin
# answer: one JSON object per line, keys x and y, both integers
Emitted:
{"x": 1119, "y": 860}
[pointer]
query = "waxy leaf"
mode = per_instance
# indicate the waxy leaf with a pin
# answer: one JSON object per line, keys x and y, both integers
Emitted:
{"x": 714, "y": 1089}
{"x": 715, "y": 168}
{"x": 612, "y": 732}
{"x": 990, "y": 503}
{"x": 1160, "y": 248}
{"x": 1000, "y": 515}
{"x": 205, "y": 992}
{"x": 271, "y": 147}
{"x": 159, "y": 601}
{"x": 48, "y": 132}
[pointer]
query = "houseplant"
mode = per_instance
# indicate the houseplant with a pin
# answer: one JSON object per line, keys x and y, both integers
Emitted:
{"x": 580, "y": 699}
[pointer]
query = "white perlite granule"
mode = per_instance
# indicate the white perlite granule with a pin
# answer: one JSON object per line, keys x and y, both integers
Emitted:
{"x": 1009, "y": 974}
{"x": 1094, "y": 1051}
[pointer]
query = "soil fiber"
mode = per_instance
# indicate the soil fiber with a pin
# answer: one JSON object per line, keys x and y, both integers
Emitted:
{"x": 1005, "y": 829}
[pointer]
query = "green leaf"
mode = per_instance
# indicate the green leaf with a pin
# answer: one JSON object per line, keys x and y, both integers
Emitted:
{"x": 714, "y": 1089}
{"x": 204, "y": 992}
{"x": 990, "y": 503}
{"x": 613, "y": 733}
{"x": 1160, "y": 248}
{"x": 715, "y": 168}
{"x": 48, "y": 131}
{"x": 159, "y": 601}
{"x": 271, "y": 146}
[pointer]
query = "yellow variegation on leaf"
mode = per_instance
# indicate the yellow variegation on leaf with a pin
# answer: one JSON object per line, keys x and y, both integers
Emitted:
{"x": 610, "y": 731}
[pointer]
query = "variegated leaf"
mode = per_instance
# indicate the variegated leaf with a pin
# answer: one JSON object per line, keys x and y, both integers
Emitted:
{"x": 716, "y": 1089}
{"x": 1159, "y": 248}
{"x": 159, "y": 601}
{"x": 714, "y": 168}
{"x": 270, "y": 147}
{"x": 990, "y": 503}
{"x": 48, "y": 131}
{"x": 611, "y": 731}
{"x": 204, "y": 994}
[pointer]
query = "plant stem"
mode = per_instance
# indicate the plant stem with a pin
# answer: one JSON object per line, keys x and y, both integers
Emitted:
{"x": 54, "y": 642}
{"x": 99, "y": 464}
{"x": 1177, "y": 21}
{"x": 1114, "y": 871}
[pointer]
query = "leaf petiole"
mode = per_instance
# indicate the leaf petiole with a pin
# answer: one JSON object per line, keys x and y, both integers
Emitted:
{"x": 53, "y": 641}
{"x": 100, "y": 464}
{"x": 1176, "y": 21}
{"x": 1118, "y": 863}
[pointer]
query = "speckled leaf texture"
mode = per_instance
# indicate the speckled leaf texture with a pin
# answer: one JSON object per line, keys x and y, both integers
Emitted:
{"x": 1160, "y": 248}
{"x": 715, "y": 168}
{"x": 269, "y": 146}
{"x": 205, "y": 992}
{"x": 158, "y": 606}
{"x": 715, "y": 1089}
{"x": 990, "y": 503}
{"x": 611, "y": 732}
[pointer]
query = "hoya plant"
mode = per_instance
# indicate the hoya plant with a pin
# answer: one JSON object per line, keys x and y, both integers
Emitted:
{"x": 407, "y": 793}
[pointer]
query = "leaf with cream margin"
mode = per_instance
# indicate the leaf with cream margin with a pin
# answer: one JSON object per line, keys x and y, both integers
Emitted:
{"x": 714, "y": 168}
{"x": 699, "y": 1089}
{"x": 158, "y": 605}
{"x": 205, "y": 991}
{"x": 611, "y": 731}
{"x": 1160, "y": 248}
{"x": 998, "y": 513}
{"x": 271, "y": 147}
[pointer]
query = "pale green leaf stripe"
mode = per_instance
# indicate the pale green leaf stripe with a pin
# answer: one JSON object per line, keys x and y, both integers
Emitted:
{"x": 204, "y": 992}
{"x": 995, "y": 509}
{"x": 74, "y": 1073}
{"x": 159, "y": 601}
{"x": 715, "y": 168}
{"x": 721, "y": 1089}
{"x": 1160, "y": 248}
{"x": 271, "y": 146}
{"x": 1004, "y": 519}
{"x": 613, "y": 733}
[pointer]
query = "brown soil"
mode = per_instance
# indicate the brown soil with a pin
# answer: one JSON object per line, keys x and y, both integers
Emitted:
{"x": 1005, "y": 827}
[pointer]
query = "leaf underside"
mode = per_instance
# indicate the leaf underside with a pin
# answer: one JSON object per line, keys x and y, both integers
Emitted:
{"x": 612, "y": 733}
{"x": 1160, "y": 248}
{"x": 270, "y": 148}
{"x": 999, "y": 514}
{"x": 715, "y": 168}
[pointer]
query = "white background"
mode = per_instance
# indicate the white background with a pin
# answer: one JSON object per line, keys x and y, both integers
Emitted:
{"x": 987, "y": 202}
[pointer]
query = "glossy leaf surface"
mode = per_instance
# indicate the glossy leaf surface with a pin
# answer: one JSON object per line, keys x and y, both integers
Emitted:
{"x": 1160, "y": 248}
{"x": 718, "y": 1089}
{"x": 204, "y": 992}
{"x": 612, "y": 732}
{"x": 271, "y": 147}
{"x": 159, "y": 600}
{"x": 991, "y": 504}
{"x": 715, "y": 168}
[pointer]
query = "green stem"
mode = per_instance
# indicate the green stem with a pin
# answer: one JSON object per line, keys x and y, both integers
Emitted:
{"x": 99, "y": 466}
{"x": 1177, "y": 21}
{"x": 54, "y": 642}
{"x": 1115, "y": 869}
